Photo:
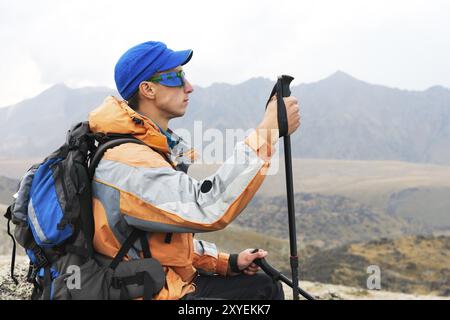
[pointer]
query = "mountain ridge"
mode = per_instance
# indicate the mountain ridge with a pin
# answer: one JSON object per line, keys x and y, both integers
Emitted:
{"x": 339, "y": 74}
{"x": 342, "y": 118}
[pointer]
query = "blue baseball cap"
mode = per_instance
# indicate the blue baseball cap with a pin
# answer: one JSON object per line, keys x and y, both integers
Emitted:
{"x": 141, "y": 62}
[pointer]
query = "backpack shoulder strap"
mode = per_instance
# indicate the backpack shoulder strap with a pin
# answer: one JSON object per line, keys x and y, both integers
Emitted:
{"x": 103, "y": 147}
{"x": 115, "y": 140}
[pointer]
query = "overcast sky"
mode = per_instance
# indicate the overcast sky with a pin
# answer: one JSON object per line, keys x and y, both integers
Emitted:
{"x": 404, "y": 44}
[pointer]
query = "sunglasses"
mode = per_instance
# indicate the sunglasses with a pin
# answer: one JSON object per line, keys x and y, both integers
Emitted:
{"x": 170, "y": 79}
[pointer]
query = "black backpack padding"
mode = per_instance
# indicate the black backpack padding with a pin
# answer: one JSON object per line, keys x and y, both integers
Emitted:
{"x": 72, "y": 168}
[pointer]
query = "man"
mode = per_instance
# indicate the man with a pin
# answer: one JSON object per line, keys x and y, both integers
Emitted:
{"x": 141, "y": 186}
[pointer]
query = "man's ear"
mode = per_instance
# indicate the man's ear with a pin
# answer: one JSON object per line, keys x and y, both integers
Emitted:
{"x": 147, "y": 90}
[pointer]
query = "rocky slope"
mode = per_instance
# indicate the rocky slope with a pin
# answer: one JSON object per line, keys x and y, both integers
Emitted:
{"x": 9, "y": 291}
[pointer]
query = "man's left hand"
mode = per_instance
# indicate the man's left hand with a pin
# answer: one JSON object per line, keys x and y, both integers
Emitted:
{"x": 246, "y": 258}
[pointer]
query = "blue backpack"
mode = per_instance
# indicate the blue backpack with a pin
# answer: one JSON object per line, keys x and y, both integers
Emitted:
{"x": 54, "y": 222}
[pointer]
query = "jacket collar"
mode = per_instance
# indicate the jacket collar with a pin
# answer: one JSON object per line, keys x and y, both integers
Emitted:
{"x": 115, "y": 116}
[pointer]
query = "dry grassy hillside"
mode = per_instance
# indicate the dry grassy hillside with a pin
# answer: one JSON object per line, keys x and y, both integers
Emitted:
{"x": 417, "y": 265}
{"x": 403, "y": 190}
{"x": 5, "y": 241}
{"x": 326, "y": 220}
{"x": 409, "y": 264}
{"x": 408, "y": 190}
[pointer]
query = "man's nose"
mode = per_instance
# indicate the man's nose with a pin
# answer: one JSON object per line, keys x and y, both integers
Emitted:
{"x": 188, "y": 88}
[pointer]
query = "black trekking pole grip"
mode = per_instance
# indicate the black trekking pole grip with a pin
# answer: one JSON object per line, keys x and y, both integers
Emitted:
{"x": 285, "y": 85}
{"x": 281, "y": 90}
{"x": 277, "y": 275}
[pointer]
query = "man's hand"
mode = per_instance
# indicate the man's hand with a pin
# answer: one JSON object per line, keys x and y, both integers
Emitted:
{"x": 270, "y": 121}
{"x": 246, "y": 258}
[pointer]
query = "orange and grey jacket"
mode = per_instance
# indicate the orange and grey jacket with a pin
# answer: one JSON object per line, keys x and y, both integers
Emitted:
{"x": 135, "y": 187}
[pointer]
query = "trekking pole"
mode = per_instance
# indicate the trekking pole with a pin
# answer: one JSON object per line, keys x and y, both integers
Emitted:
{"x": 282, "y": 90}
{"x": 277, "y": 275}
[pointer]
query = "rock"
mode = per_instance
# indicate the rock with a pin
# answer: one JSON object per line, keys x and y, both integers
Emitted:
{"x": 323, "y": 291}
{"x": 8, "y": 289}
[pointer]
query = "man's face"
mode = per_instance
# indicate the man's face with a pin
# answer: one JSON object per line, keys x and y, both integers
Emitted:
{"x": 173, "y": 100}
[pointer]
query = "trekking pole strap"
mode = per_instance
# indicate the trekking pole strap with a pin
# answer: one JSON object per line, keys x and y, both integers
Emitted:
{"x": 8, "y": 215}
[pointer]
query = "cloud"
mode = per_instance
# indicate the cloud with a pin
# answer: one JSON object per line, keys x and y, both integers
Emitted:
{"x": 20, "y": 79}
{"x": 398, "y": 43}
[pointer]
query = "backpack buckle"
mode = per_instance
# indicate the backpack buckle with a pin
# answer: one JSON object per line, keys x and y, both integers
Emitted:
{"x": 74, "y": 143}
{"x": 116, "y": 282}
{"x": 41, "y": 259}
{"x": 32, "y": 273}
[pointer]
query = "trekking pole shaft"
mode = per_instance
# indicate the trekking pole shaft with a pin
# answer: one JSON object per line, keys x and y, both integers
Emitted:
{"x": 286, "y": 280}
{"x": 291, "y": 215}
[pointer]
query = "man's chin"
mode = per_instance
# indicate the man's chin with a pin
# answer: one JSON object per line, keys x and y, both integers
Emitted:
{"x": 178, "y": 114}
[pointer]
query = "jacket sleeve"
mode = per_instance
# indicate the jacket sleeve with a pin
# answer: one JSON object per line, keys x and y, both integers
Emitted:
{"x": 156, "y": 198}
{"x": 207, "y": 258}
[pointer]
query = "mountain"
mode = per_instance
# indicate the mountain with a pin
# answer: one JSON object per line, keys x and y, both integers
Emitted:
{"x": 325, "y": 220}
{"x": 351, "y": 119}
{"x": 37, "y": 126}
{"x": 342, "y": 118}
